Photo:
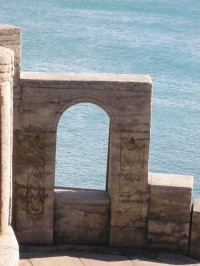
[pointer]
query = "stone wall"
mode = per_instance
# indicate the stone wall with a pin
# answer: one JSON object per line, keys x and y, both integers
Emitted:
{"x": 138, "y": 209}
{"x": 127, "y": 101}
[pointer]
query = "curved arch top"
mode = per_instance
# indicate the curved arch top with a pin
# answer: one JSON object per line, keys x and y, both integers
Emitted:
{"x": 82, "y": 100}
{"x": 121, "y": 96}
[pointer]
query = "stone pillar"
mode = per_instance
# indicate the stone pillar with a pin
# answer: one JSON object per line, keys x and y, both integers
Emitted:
{"x": 128, "y": 168}
{"x": 195, "y": 231}
{"x": 9, "y": 254}
{"x": 10, "y": 37}
{"x": 169, "y": 212}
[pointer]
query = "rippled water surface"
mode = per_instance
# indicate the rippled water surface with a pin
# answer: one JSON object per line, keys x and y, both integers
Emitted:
{"x": 156, "y": 37}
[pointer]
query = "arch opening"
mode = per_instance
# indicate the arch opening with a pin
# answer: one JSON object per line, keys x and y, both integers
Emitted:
{"x": 82, "y": 147}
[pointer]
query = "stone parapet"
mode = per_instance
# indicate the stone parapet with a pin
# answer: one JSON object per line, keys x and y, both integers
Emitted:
{"x": 81, "y": 216}
{"x": 169, "y": 212}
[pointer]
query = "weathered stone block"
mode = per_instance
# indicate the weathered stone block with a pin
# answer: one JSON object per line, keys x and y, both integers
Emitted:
{"x": 169, "y": 236}
{"x": 128, "y": 237}
{"x": 128, "y": 169}
{"x": 170, "y": 197}
{"x": 195, "y": 231}
{"x": 81, "y": 216}
{"x": 129, "y": 214}
{"x": 32, "y": 229}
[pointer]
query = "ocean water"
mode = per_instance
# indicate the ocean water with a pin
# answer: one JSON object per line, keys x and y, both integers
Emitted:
{"x": 160, "y": 38}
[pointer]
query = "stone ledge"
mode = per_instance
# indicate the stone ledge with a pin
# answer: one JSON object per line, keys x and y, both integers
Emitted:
{"x": 9, "y": 249}
{"x": 85, "y": 77}
{"x": 82, "y": 196}
{"x": 170, "y": 180}
{"x": 7, "y": 29}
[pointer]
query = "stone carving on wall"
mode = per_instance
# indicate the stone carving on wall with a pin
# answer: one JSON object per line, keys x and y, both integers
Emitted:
{"x": 132, "y": 159}
{"x": 35, "y": 195}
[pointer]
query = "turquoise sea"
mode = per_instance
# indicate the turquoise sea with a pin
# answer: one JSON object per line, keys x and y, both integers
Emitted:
{"x": 156, "y": 37}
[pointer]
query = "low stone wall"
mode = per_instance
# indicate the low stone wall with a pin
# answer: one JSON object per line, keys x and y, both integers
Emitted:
{"x": 81, "y": 216}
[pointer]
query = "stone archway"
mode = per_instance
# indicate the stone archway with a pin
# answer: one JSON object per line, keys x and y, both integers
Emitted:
{"x": 127, "y": 100}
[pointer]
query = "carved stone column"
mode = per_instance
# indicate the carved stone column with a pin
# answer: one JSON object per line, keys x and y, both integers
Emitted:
{"x": 9, "y": 254}
{"x": 128, "y": 166}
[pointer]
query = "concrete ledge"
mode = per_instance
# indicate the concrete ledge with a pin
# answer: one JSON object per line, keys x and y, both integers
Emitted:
{"x": 9, "y": 249}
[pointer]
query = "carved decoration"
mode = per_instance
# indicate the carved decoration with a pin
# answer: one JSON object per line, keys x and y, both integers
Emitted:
{"x": 132, "y": 159}
{"x": 35, "y": 196}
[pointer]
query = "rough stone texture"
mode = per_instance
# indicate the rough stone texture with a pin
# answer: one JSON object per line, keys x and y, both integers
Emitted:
{"x": 195, "y": 231}
{"x": 9, "y": 250}
{"x": 165, "y": 235}
{"x": 169, "y": 212}
{"x": 45, "y": 96}
{"x": 10, "y": 37}
{"x": 170, "y": 197}
{"x": 81, "y": 216}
